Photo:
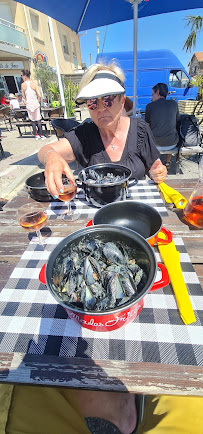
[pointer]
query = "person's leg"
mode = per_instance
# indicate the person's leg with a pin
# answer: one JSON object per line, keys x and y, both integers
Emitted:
{"x": 34, "y": 127}
{"x": 168, "y": 160}
{"x": 172, "y": 415}
{"x": 42, "y": 410}
{"x": 116, "y": 407}
{"x": 39, "y": 126}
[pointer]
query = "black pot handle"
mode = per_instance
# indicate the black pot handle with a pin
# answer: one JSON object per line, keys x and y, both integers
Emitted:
{"x": 132, "y": 182}
{"x": 78, "y": 183}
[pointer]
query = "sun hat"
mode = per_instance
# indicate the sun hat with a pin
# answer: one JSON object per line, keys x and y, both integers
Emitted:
{"x": 11, "y": 95}
{"x": 103, "y": 83}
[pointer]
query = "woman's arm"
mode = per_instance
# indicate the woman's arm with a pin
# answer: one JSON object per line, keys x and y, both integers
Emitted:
{"x": 23, "y": 92}
{"x": 56, "y": 157}
{"x": 37, "y": 90}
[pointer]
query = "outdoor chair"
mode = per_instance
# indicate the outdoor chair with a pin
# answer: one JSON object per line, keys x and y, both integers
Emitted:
{"x": 184, "y": 152}
{"x": 61, "y": 126}
{"x": 20, "y": 115}
{"x": 5, "y": 116}
{"x": 54, "y": 113}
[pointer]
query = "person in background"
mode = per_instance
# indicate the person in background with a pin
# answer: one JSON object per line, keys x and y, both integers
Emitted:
{"x": 162, "y": 116}
{"x": 110, "y": 137}
{"x": 14, "y": 104}
{"x": 4, "y": 99}
{"x": 20, "y": 99}
{"x": 31, "y": 96}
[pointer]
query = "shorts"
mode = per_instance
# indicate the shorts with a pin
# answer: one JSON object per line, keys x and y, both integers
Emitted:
{"x": 39, "y": 410}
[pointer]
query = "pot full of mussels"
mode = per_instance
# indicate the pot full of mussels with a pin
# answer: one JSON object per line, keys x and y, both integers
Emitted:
{"x": 105, "y": 183}
{"x": 101, "y": 274}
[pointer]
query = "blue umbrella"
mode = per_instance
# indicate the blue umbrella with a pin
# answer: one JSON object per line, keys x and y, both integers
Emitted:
{"x": 82, "y": 15}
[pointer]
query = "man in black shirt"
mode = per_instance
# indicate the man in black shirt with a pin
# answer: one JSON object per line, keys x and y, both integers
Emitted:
{"x": 162, "y": 116}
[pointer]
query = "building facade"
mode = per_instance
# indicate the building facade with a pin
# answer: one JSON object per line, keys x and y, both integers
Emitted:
{"x": 196, "y": 64}
{"x": 25, "y": 40}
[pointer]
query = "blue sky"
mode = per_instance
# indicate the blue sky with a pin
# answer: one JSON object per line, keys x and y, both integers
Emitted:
{"x": 165, "y": 31}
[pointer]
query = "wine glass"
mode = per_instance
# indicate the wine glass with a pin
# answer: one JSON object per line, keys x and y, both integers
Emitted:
{"x": 69, "y": 192}
{"x": 32, "y": 216}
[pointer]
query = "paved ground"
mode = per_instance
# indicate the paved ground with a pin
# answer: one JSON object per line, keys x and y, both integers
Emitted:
{"x": 21, "y": 161}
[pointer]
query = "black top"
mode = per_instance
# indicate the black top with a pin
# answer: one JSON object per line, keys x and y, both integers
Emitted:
{"x": 162, "y": 116}
{"x": 139, "y": 152}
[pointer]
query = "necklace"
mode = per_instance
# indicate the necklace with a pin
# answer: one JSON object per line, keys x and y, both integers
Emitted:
{"x": 113, "y": 147}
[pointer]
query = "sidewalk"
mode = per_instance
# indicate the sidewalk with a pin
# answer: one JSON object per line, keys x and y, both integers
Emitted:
{"x": 21, "y": 161}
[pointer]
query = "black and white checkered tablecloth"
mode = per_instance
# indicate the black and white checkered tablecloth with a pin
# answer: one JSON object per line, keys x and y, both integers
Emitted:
{"x": 31, "y": 321}
{"x": 144, "y": 191}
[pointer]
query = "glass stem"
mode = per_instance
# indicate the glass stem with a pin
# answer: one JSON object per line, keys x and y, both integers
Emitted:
{"x": 39, "y": 237}
{"x": 69, "y": 209}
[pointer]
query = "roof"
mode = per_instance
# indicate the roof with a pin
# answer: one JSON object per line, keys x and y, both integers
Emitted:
{"x": 199, "y": 56}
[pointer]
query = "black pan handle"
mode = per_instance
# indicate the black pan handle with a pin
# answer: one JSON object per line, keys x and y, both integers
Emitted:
{"x": 132, "y": 182}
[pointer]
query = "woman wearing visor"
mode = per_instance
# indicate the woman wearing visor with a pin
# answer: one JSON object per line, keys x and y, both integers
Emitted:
{"x": 109, "y": 138}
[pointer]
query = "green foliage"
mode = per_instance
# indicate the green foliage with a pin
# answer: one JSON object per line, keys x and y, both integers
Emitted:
{"x": 50, "y": 87}
{"x": 196, "y": 23}
{"x": 70, "y": 93}
{"x": 45, "y": 74}
{"x": 53, "y": 90}
{"x": 198, "y": 81}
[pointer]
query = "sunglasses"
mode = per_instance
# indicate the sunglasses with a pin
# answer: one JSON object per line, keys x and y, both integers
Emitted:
{"x": 107, "y": 101}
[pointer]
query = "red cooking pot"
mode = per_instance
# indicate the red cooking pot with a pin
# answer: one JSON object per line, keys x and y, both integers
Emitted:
{"x": 139, "y": 217}
{"x": 137, "y": 248}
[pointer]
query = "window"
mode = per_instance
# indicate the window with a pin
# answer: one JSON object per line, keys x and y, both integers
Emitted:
{"x": 65, "y": 44}
{"x": 74, "y": 55}
{"x": 18, "y": 81}
{"x": 5, "y": 12}
{"x": 2, "y": 85}
{"x": 178, "y": 79}
{"x": 35, "y": 24}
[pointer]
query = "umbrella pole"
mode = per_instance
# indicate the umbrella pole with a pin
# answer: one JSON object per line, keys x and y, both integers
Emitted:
{"x": 57, "y": 68}
{"x": 135, "y": 20}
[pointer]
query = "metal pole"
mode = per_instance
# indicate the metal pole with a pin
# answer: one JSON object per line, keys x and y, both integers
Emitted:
{"x": 135, "y": 13}
{"x": 97, "y": 40}
{"x": 57, "y": 67}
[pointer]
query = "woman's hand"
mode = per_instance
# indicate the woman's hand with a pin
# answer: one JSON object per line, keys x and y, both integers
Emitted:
{"x": 158, "y": 172}
{"x": 54, "y": 168}
{"x": 55, "y": 157}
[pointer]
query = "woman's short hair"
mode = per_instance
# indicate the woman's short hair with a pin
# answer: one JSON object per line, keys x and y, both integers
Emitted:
{"x": 163, "y": 89}
{"x": 26, "y": 72}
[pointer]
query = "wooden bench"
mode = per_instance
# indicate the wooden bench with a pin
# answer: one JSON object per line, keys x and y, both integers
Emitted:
{"x": 25, "y": 124}
{"x": 183, "y": 152}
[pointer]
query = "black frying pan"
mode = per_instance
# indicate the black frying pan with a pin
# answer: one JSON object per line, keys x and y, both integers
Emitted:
{"x": 37, "y": 189}
{"x": 137, "y": 216}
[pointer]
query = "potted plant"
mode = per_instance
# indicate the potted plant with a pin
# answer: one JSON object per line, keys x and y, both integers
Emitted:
{"x": 70, "y": 93}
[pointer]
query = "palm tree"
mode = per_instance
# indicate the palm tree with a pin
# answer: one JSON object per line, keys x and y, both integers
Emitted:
{"x": 196, "y": 24}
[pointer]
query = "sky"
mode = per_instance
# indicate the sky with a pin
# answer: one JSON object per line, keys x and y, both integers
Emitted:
{"x": 165, "y": 31}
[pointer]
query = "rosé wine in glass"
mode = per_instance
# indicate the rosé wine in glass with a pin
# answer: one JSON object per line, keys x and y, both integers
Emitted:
{"x": 32, "y": 216}
{"x": 69, "y": 192}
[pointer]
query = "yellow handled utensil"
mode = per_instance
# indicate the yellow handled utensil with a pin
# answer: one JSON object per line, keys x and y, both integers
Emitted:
{"x": 172, "y": 196}
{"x": 171, "y": 258}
